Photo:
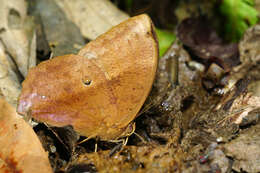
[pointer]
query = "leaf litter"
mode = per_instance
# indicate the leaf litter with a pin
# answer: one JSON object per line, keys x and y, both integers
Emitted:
{"x": 202, "y": 121}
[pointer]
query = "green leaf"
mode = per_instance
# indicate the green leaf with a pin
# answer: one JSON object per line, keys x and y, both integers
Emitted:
{"x": 165, "y": 39}
{"x": 239, "y": 14}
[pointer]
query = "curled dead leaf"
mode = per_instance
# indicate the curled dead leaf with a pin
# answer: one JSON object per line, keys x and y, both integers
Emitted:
{"x": 20, "y": 148}
{"x": 99, "y": 91}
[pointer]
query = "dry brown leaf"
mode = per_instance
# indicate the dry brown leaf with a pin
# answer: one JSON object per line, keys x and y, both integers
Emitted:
{"x": 20, "y": 148}
{"x": 17, "y": 34}
{"x": 100, "y": 90}
{"x": 92, "y": 17}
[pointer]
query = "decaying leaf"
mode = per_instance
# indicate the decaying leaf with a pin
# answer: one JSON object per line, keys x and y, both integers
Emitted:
{"x": 17, "y": 34}
{"x": 50, "y": 19}
{"x": 20, "y": 148}
{"x": 249, "y": 46}
{"x": 204, "y": 42}
{"x": 10, "y": 86}
{"x": 249, "y": 57}
{"x": 245, "y": 150}
{"x": 89, "y": 18}
{"x": 100, "y": 90}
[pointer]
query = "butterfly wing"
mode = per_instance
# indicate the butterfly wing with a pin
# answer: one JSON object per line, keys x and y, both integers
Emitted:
{"x": 66, "y": 90}
{"x": 100, "y": 90}
{"x": 128, "y": 55}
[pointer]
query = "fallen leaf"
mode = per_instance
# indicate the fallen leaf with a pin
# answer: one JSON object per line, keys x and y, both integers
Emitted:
{"x": 98, "y": 22}
{"x": 203, "y": 41}
{"x": 51, "y": 19}
{"x": 249, "y": 57}
{"x": 20, "y": 148}
{"x": 100, "y": 90}
{"x": 17, "y": 34}
{"x": 245, "y": 150}
{"x": 92, "y": 21}
{"x": 249, "y": 46}
{"x": 10, "y": 86}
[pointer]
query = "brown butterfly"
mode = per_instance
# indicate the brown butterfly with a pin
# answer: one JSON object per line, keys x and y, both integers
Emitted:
{"x": 100, "y": 90}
